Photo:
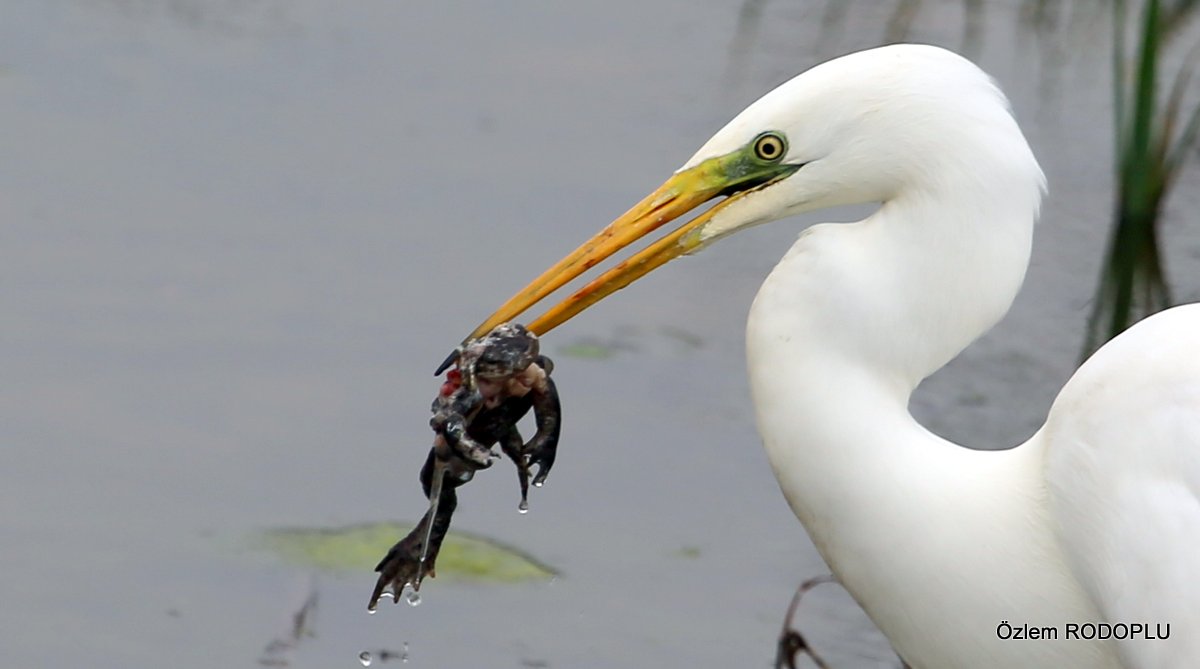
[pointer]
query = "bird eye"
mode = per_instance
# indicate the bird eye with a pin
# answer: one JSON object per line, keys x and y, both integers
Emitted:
{"x": 769, "y": 147}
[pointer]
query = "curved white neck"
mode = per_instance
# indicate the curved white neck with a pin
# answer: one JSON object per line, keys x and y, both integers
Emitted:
{"x": 856, "y": 315}
{"x": 840, "y": 334}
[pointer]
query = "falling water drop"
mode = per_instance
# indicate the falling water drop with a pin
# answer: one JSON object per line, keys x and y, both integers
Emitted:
{"x": 365, "y": 658}
{"x": 414, "y": 598}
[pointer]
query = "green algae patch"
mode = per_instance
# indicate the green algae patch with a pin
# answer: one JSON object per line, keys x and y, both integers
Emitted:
{"x": 587, "y": 350}
{"x": 356, "y": 548}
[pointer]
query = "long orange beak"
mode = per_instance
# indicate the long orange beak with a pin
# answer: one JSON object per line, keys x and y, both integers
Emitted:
{"x": 680, "y": 194}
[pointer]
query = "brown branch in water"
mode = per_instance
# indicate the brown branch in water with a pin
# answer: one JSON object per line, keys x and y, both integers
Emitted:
{"x": 276, "y": 652}
{"x": 792, "y": 643}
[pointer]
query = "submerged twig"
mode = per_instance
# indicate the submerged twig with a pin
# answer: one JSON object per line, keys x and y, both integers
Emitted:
{"x": 792, "y": 643}
{"x": 275, "y": 653}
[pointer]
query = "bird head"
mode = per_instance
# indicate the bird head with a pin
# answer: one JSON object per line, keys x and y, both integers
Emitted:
{"x": 858, "y": 129}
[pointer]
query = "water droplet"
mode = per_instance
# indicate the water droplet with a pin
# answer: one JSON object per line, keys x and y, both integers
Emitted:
{"x": 523, "y": 507}
{"x": 414, "y": 598}
{"x": 538, "y": 484}
{"x": 365, "y": 658}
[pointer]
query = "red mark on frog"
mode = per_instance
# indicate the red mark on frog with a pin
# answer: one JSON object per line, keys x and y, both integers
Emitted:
{"x": 453, "y": 382}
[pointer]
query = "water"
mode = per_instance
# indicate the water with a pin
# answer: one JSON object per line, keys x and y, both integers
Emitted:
{"x": 239, "y": 236}
{"x": 366, "y": 657}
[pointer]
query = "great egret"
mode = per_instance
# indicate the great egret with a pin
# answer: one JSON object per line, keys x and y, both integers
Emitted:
{"x": 1096, "y": 519}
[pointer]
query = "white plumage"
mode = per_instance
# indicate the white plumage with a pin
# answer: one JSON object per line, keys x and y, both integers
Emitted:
{"x": 1096, "y": 519}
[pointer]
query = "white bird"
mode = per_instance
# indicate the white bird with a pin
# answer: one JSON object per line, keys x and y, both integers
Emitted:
{"x": 1095, "y": 519}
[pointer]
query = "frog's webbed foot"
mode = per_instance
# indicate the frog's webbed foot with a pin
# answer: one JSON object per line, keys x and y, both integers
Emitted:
{"x": 543, "y": 447}
{"x": 415, "y": 556}
{"x": 409, "y": 562}
{"x": 398, "y": 569}
{"x": 475, "y": 454}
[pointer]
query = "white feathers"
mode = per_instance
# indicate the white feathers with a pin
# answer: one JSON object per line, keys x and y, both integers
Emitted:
{"x": 1095, "y": 519}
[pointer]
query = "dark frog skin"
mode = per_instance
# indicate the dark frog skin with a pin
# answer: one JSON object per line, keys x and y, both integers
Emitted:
{"x": 497, "y": 379}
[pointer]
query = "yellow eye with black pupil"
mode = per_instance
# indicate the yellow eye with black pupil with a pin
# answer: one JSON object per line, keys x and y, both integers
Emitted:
{"x": 769, "y": 147}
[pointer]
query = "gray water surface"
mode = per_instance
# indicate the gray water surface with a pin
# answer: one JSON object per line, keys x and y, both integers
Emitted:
{"x": 236, "y": 237}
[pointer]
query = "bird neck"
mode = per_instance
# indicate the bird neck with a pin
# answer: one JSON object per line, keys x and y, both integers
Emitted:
{"x": 903, "y": 292}
{"x": 840, "y": 334}
{"x": 856, "y": 315}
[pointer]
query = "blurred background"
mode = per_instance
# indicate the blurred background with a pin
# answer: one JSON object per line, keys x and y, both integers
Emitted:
{"x": 237, "y": 236}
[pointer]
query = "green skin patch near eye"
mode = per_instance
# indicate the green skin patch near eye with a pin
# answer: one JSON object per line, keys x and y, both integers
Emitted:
{"x": 733, "y": 175}
{"x": 744, "y": 168}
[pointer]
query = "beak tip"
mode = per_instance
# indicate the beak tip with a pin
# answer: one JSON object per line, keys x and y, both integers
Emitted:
{"x": 450, "y": 360}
